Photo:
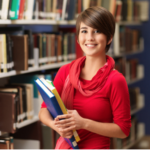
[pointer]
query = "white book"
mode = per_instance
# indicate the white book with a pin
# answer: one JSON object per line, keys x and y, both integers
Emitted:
{"x": 1, "y": 51}
{"x": 4, "y": 11}
{"x": 86, "y": 4}
{"x": 29, "y": 9}
{"x": 144, "y": 10}
{"x": 64, "y": 9}
{"x": 116, "y": 40}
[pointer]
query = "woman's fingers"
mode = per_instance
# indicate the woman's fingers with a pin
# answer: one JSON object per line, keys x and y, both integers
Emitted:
{"x": 66, "y": 125}
{"x": 63, "y": 116}
{"x": 67, "y": 129}
{"x": 64, "y": 121}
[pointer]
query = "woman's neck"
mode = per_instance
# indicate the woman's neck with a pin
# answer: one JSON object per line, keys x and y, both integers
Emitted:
{"x": 91, "y": 66}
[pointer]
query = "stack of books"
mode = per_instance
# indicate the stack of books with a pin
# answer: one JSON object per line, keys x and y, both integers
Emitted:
{"x": 55, "y": 105}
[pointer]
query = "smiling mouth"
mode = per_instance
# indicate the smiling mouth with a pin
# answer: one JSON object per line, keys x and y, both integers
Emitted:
{"x": 90, "y": 45}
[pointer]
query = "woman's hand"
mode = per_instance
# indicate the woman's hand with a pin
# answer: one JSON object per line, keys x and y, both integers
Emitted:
{"x": 61, "y": 131}
{"x": 71, "y": 121}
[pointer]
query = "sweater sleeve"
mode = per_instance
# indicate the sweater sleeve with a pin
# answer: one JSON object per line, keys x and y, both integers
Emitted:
{"x": 120, "y": 103}
{"x": 59, "y": 81}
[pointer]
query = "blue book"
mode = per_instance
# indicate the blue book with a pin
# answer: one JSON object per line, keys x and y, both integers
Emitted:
{"x": 53, "y": 107}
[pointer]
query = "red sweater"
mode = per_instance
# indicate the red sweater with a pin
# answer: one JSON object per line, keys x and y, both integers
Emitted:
{"x": 110, "y": 104}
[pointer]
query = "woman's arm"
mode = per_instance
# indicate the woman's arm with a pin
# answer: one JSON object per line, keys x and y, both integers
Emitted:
{"x": 47, "y": 119}
{"x": 73, "y": 121}
{"x": 105, "y": 129}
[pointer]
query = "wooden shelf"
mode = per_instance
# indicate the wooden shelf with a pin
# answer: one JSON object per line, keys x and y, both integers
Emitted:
{"x": 3, "y": 22}
{"x": 27, "y": 122}
{"x": 132, "y": 143}
{"x": 136, "y": 110}
{"x": 33, "y": 22}
{"x": 127, "y": 54}
{"x": 134, "y": 81}
{"x": 129, "y": 23}
{"x": 38, "y": 21}
{"x": 54, "y": 22}
{"x": 33, "y": 69}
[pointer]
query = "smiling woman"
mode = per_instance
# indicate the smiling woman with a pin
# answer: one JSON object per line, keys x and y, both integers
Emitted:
{"x": 90, "y": 88}
{"x": 99, "y": 19}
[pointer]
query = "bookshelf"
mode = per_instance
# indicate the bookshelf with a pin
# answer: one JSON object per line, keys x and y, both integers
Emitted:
{"x": 64, "y": 23}
{"x": 33, "y": 69}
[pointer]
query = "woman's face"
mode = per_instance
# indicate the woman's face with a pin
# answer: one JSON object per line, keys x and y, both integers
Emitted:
{"x": 92, "y": 42}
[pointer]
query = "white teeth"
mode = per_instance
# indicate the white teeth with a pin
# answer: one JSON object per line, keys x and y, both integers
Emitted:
{"x": 91, "y": 45}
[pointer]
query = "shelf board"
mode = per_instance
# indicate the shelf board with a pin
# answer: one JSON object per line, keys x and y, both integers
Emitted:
{"x": 71, "y": 22}
{"x": 135, "y": 80}
{"x": 3, "y": 22}
{"x": 132, "y": 143}
{"x": 129, "y": 23}
{"x": 30, "y": 22}
{"x": 136, "y": 110}
{"x": 43, "y": 22}
{"x": 54, "y": 22}
{"x": 126, "y": 54}
{"x": 27, "y": 122}
{"x": 33, "y": 69}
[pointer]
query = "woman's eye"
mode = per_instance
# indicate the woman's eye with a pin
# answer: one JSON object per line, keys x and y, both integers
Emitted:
{"x": 97, "y": 31}
{"x": 83, "y": 31}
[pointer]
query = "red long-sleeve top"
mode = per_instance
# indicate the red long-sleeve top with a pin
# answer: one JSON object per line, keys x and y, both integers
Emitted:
{"x": 110, "y": 104}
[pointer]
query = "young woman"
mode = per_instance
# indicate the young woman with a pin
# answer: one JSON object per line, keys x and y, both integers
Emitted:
{"x": 95, "y": 94}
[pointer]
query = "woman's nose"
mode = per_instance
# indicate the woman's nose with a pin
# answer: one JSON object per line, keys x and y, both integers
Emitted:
{"x": 90, "y": 36}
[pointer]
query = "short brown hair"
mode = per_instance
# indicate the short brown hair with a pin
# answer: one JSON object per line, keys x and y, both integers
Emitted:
{"x": 97, "y": 18}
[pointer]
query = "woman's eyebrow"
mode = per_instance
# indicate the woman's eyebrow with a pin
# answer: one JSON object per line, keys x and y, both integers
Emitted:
{"x": 83, "y": 28}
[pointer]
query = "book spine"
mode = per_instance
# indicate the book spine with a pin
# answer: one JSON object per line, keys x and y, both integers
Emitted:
{"x": 14, "y": 9}
{"x": 5, "y": 5}
{"x": 21, "y": 9}
{"x": 5, "y": 53}
{"x": 29, "y": 10}
{"x": 0, "y": 8}
{"x": 9, "y": 9}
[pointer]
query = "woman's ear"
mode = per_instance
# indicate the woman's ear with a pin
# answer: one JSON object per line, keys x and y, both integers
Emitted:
{"x": 110, "y": 41}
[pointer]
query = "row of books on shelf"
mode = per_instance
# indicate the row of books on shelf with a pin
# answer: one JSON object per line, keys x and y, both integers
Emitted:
{"x": 37, "y": 9}
{"x": 129, "y": 10}
{"x": 20, "y": 101}
{"x": 130, "y": 41}
{"x": 130, "y": 68}
{"x": 6, "y": 142}
{"x": 137, "y": 100}
{"x": 17, "y": 105}
{"x": 69, "y": 9}
{"x": 137, "y": 131}
{"x": 55, "y": 47}
{"x": 23, "y": 50}
{"x": 28, "y": 137}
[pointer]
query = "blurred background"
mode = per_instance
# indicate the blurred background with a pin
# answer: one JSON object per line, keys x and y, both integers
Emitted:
{"x": 37, "y": 37}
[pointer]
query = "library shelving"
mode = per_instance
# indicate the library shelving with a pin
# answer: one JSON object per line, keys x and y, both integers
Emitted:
{"x": 57, "y": 65}
{"x": 116, "y": 54}
{"x": 33, "y": 69}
